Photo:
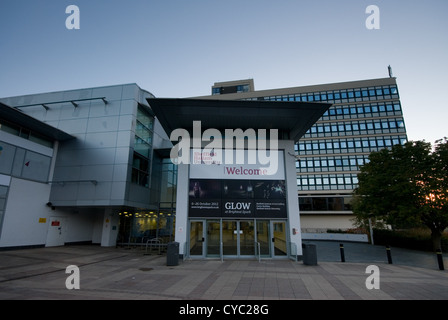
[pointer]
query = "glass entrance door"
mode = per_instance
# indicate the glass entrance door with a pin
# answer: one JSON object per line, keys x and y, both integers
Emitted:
{"x": 279, "y": 240}
{"x": 238, "y": 238}
{"x": 263, "y": 237}
{"x": 197, "y": 238}
{"x": 229, "y": 238}
{"x": 246, "y": 238}
{"x": 213, "y": 239}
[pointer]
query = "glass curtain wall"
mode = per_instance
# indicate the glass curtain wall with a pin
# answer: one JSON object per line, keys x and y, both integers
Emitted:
{"x": 137, "y": 227}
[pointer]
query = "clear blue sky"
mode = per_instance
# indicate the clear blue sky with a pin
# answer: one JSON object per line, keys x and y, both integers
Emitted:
{"x": 179, "y": 48}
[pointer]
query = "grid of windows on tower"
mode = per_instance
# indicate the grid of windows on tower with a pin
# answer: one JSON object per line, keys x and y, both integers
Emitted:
{"x": 340, "y": 96}
{"x": 327, "y": 181}
{"x": 348, "y": 145}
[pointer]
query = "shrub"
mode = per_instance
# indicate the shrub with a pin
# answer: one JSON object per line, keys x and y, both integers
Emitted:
{"x": 416, "y": 239}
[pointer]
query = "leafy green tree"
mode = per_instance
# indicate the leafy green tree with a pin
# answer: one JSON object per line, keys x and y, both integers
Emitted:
{"x": 406, "y": 186}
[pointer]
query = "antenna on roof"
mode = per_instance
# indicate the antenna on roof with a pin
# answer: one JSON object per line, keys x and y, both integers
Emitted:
{"x": 390, "y": 71}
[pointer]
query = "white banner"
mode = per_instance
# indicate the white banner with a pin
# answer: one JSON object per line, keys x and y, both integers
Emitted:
{"x": 237, "y": 164}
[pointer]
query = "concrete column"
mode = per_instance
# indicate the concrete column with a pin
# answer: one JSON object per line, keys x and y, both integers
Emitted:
{"x": 295, "y": 234}
{"x": 110, "y": 228}
{"x": 182, "y": 207}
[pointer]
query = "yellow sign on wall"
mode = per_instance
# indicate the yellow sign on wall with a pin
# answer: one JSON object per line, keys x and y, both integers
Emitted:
{"x": 42, "y": 220}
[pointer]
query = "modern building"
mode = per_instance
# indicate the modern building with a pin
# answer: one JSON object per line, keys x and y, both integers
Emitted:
{"x": 95, "y": 166}
{"x": 365, "y": 116}
{"x": 76, "y": 166}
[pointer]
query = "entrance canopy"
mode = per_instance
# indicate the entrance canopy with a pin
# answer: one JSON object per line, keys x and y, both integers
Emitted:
{"x": 292, "y": 118}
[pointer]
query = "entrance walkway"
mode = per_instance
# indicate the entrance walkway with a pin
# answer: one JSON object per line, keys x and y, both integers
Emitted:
{"x": 109, "y": 273}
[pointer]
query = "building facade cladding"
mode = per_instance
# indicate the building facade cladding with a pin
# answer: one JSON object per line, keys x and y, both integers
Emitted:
{"x": 366, "y": 116}
{"x": 104, "y": 170}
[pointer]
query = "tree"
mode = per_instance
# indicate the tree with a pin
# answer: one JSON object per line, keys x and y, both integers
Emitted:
{"x": 406, "y": 186}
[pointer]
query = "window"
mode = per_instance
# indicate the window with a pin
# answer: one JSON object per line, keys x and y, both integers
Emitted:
{"x": 25, "y": 134}
{"x": 23, "y": 163}
{"x": 394, "y": 90}
{"x": 143, "y": 132}
{"x": 140, "y": 170}
{"x": 3, "y": 196}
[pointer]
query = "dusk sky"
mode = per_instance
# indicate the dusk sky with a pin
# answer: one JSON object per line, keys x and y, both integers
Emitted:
{"x": 178, "y": 49}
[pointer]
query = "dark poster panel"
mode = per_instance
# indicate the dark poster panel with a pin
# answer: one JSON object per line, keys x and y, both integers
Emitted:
{"x": 270, "y": 209}
{"x": 205, "y": 189}
{"x": 237, "y": 189}
{"x": 205, "y": 198}
{"x": 205, "y": 208}
{"x": 238, "y": 208}
{"x": 237, "y": 198}
{"x": 270, "y": 189}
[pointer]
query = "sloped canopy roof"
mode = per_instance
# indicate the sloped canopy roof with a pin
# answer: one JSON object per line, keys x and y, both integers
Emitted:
{"x": 294, "y": 118}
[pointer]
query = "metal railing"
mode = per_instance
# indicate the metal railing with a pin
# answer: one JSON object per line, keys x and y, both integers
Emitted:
{"x": 258, "y": 253}
{"x": 292, "y": 251}
{"x": 155, "y": 242}
{"x": 221, "y": 251}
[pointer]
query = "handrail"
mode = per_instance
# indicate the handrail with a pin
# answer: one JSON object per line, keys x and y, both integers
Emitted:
{"x": 153, "y": 242}
{"x": 293, "y": 251}
{"x": 259, "y": 251}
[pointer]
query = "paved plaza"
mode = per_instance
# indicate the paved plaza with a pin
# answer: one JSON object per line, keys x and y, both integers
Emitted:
{"x": 129, "y": 274}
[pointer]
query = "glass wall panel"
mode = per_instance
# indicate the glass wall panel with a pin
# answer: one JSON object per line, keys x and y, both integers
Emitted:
{"x": 213, "y": 238}
{"x": 263, "y": 237}
{"x": 247, "y": 238}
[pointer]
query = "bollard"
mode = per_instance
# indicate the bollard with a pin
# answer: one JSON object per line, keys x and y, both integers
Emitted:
{"x": 389, "y": 256}
{"x": 440, "y": 259}
{"x": 341, "y": 248}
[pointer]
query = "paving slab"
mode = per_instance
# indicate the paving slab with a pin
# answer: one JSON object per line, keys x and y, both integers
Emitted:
{"x": 121, "y": 274}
